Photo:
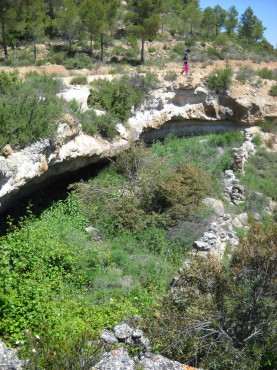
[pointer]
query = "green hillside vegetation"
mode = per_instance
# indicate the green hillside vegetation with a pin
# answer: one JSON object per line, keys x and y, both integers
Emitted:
{"x": 87, "y": 33}
{"x": 65, "y": 284}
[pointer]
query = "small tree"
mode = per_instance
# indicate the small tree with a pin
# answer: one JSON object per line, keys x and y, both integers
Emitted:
{"x": 143, "y": 20}
{"x": 68, "y": 21}
{"x": 220, "y": 15}
{"x": 231, "y": 20}
{"x": 250, "y": 26}
{"x": 7, "y": 20}
{"x": 34, "y": 21}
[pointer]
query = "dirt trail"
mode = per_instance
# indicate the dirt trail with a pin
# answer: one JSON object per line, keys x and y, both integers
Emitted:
{"x": 55, "y": 69}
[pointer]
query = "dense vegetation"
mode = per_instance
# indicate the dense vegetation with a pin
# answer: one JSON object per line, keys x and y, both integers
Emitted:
{"x": 62, "y": 283}
{"x": 224, "y": 313}
{"x": 29, "y": 109}
{"x": 78, "y": 33}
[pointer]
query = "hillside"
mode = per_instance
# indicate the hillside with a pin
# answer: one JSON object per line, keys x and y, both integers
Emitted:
{"x": 137, "y": 205}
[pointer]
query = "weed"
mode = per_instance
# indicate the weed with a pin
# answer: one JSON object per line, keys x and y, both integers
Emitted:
{"x": 78, "y": 80}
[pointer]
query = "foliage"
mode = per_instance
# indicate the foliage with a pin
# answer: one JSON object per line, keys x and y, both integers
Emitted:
{"x": 220, "y": 79}
{"x": 222, "y": 313}
{"x": 29, "y": 109}
{"x": 118, "y": 96}
{"x": 266, "y": 74}
{"x": 260, "y": 173}
{"x": 78, "y": 80}
{"x": 273, "y": 90}
{"x": 46, "y": 264}
{"x": 268, "y": 126}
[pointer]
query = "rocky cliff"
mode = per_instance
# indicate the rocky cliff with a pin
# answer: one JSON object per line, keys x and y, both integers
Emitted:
{"x": 182, "y": 107}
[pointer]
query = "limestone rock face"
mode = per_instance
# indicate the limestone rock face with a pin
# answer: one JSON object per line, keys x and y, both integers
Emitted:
{"x": 9, "y": 359}
{"x": 182, "y": 107}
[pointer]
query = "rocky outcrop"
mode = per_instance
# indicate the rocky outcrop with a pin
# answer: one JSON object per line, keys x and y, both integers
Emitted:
{"x": 124, "y": 340}
{"x": 9, "y": 359}
{"x": 182, "y": 107}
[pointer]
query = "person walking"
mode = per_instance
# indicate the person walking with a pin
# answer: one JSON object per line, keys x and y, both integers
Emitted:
{"x": 186, "y": 62}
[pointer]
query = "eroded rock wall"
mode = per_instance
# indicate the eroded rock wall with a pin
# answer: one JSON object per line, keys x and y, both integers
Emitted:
{"x": 184, "y": 106}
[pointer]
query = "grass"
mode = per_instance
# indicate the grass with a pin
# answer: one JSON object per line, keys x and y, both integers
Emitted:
{"x": 261, "y": 173}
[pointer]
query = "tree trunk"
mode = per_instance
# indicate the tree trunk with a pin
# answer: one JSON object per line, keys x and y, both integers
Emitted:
{"x": 4, "y": 40}
{"x": 51, "y": 15}
{"x": 142, "y": 50}
{"x": 102, "y": 46}
{"x": 35, "y": 51}
{"x": 90, "y": 45}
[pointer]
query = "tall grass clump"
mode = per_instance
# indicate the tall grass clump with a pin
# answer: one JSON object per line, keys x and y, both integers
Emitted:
{"x": 29, "y": 108}
{"x": 220, "y": 80}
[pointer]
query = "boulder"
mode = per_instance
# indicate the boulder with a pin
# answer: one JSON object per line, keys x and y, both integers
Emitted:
{"x": 9, "y": 359}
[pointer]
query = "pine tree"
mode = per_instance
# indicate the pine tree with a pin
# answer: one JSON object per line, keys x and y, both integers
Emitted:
{"x": 143, "y": 20}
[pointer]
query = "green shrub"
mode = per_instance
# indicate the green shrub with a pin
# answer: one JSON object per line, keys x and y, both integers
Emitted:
{"x": 170, "y": 76}
{"x": 273, "y": 90}
{"x": 213, "y": 318}
{"x": 120, "y": 95}
{"x": 152, "y": 49}
{"x": 213, "y": 53}
{"x": 268, "y": 126}
{"x": 104, "y": 124}
{"x": 179, "y": 49}
{"x": 78, "y": 80}
{"x": 29, "y": 109}
{"x": 79, "y": 61}
{"x": 220, "y": 79}
{"x": 266, "y": 73}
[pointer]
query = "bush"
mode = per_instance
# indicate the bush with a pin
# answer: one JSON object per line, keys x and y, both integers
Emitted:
{"x": 221, "y": 314}
{"x": 179, "y": 49}
{"x": 29, "y": 109}
{"x": 170, "y": 76}
{"x": 120, "y": 95}
{"x": 152, "y": 49}
{"x": 78, "y": 80}
{"x": 220, "y": 79}
{"x": 273, "y": 90}
{"x": 213, "y": 53}
{"x": 104, "y": 124}
{"x": 266, "y": 74}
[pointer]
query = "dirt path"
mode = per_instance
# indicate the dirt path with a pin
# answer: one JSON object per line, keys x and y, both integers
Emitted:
{"x": 59, "y": 70}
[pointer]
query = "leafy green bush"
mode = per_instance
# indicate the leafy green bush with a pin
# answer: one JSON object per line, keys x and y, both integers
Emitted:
{"x": 179, "y": 49}
{"x": 29, "y": 109}
{"x": 266, "y": 74}
{"x": 78, "y": 80}
{"x": 152, "y": 49}
{"x": 221, "y": 314}
{"x": 220, "y": 79}
{"x": 213, "y": 53}
{"x": 273, "y": 90}
{"x": 120, "y": 95}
